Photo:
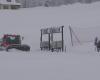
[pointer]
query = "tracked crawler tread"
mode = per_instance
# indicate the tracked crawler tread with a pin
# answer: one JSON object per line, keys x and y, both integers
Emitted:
{"x": 19, "y": 47}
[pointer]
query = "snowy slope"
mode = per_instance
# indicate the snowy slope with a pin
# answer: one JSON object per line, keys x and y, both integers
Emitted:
{"x": 80, "y": 62}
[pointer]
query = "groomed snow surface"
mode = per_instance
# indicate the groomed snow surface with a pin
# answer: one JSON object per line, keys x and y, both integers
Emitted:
{"x": 80, "y": 62}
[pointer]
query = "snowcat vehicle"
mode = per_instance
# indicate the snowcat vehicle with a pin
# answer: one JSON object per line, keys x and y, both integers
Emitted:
{"x": 13, "y": 42}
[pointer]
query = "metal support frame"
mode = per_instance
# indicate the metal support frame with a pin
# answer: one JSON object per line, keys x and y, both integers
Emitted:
{"x": 50, "y": 32}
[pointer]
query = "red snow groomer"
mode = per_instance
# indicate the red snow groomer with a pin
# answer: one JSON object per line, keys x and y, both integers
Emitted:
{"x": 13, "y": 41}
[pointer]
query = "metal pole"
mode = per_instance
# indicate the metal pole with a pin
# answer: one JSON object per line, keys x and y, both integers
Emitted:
{"x": 62, "y": 39}
{"x": 41, "y": 35}
{"x": 41, "y": 39}
{"x": 49, "y": 40}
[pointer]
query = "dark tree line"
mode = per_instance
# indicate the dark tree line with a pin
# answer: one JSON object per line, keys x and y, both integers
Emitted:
{"x": 47, "y": 3}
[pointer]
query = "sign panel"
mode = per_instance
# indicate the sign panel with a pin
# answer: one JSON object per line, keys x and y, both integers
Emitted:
{"x": 52, "y": 30}
{"x": 45, "y": 31}
{"x": 55, "y": 30}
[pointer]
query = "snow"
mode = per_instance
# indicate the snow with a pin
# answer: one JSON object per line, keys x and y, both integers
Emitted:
{"x": 80, "y": 62}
